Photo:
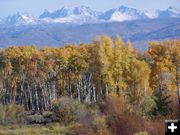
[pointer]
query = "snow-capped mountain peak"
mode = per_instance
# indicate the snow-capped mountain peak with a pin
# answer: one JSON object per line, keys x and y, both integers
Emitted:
{"x": 79, "y": 14}
{"x": 121, "y": 14}
{"x": 80, "y": 10}
{"x": 19, "y": 19}
{"x": 124, "y": 9}
{"x": 28, "y": 18}
{"x": 151, "y": 14}
{"x": 45, "y": 14}
{"x": 84, "y": 15}
{"x": 126, "y": 14}
{"x": 68, "y": 11}
{"x": 174, "y": 10}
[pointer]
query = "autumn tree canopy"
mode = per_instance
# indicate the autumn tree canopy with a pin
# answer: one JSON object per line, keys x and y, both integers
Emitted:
{"x": 88, "y": 72}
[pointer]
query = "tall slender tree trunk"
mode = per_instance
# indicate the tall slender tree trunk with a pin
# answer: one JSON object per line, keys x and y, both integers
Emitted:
{"x": 94, "y": 93}
{"x": 69, "y": 87}
{"x": 37, "y": 98}
{"x": 4, "y": 92}
{"x": 30, "y": 96}
{"x": 78, "y": 90}
{"x": 53, "y": 90}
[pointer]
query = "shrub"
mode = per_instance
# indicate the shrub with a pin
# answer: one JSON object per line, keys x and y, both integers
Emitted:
{"x": 121, "y": 118}
{"x": 149, "y": 108}
{"x": 162, "y": 100}
{"x": 142, "y": 133}
{"x": 100, "y": 125}
{"x": 39, "y": 118}
{"x": 93, "y": 124}
{"x": 35, "y": 119}
{"x": 2, "y": 113}
{"x": 158, "y": 104}
{"x": 123, "y": 121}
{"x": 87, "y": 124}
{"x": 68, "y": 110}
{"x": 11, "y": 114}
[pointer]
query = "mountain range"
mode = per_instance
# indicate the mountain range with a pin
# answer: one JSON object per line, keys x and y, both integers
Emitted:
{"x": 75, "y": 25}
{"x": 85, "y": 15}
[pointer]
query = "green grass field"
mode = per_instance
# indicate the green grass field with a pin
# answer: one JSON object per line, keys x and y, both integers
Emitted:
{"x": 49, "y": 129}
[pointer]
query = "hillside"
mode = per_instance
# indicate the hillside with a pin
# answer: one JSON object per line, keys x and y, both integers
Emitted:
{"x": 140, "y": 32}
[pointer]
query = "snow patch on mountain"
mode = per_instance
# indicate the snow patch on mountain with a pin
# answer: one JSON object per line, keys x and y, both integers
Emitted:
{"x": 122, "y": 14}
{"x": 84, "y": 15}
{"x": 174, "y": 10}
{"x": 120, "y": 17}
{"x": 152, "y": 14}
{"x": 20, "y": 19}
{"x": 79, "y": 14}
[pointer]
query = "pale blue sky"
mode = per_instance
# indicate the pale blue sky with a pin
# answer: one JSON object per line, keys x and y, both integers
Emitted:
{"x": 36, "y": 7}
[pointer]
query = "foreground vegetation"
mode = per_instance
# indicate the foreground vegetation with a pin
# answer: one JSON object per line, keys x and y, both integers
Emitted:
{"x": 50, "y": 129}
{"x": 113, "y": 116}
{"x": 102, "y": 88}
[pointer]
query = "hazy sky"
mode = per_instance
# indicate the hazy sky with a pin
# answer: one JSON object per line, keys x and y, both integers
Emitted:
{"x": 36, "y": 7}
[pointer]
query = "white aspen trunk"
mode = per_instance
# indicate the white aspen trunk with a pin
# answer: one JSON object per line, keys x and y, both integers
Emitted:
{"x": 94, "y": 93}
{"x": 31, "y": 98}
{"x": 88, "y": 96}
{"x": 53, "y": 90}
{"x": 3, "y": 92}
{"x": 47, "y": 98}
{"x": 78, "y": 90}
{"x": 21, "y": 95}
{"x": 26, "y": 100}
{"x": 49, "y": 90}
{"x": 89, "y": 87}
{"x": 81, "y": 89}
{"x": 37, "y": 99}
{"x": 50, "y": 96}
{"x": 4, "y": 95}
{"x": 106, "y": 91}
{"x": 44, "y": 97}
{"x": 70, "y": 89}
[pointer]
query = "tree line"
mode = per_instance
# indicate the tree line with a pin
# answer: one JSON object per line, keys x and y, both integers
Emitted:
{"x": 35, "y": 77}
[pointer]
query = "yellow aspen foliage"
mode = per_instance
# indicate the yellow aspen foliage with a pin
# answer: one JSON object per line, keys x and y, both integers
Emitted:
{"x": 137, "y": 78}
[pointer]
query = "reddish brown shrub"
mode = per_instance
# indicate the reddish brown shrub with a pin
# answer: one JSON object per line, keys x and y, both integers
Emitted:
{"x": 124, "y": 121}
